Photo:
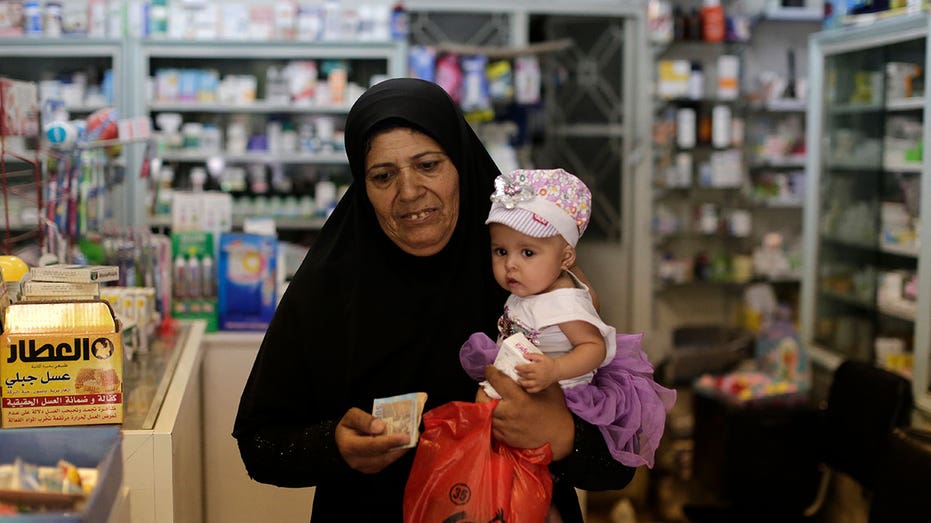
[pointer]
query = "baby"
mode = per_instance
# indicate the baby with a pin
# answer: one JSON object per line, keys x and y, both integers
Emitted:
{"x": 550, "y": 330}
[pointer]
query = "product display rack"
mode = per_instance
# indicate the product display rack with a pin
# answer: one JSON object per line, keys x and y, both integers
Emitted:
{"x": 35, "y": 59}
{"x": 729, "y": 245}
{"x": 364, "y": 60}
{"x": 866, "y": 291}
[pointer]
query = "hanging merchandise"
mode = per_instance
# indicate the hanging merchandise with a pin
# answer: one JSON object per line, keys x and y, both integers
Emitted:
{"x": 400, "y": 22}
{"x": 449, "y": 76}
{"x": 422, "y": 62}
{"x": 527, "y": 80}
{"x": 475, "y": 101}
{"x": 500, "y": 81}
{"x": 474, "y": 85}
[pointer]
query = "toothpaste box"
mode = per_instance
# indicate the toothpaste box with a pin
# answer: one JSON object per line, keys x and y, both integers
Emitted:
{"x": 61, "y": 363}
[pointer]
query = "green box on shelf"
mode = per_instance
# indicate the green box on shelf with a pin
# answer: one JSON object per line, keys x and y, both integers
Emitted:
{"x": 194, "y": 279}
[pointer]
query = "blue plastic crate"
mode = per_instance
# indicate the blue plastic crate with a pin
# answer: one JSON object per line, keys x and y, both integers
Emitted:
{"x": 85, "y": 447}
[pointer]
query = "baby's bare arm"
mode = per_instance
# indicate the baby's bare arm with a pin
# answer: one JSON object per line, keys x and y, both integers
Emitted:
{"x": 588, "y": 351}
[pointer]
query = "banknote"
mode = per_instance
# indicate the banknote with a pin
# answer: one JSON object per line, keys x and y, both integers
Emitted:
{"x": 401, "y": 414}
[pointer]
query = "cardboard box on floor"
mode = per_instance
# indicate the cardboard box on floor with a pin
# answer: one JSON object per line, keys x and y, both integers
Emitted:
{"x": 60, "y": 364}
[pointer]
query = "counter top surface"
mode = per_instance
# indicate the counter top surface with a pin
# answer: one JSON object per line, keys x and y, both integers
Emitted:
{"x": 147, "y": 376}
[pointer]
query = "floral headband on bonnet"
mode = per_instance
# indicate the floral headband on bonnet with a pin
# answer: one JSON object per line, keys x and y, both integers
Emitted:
{"x": 542, "y": 203}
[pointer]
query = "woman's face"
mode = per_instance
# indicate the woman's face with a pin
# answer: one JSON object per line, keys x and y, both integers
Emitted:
{"x": 414, "y": 188}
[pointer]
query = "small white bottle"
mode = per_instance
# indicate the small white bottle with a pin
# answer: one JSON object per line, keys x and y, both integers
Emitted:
{"x": 198, "y": 179}
{"x": 696, "y": 84}
{"x": 721, "y": 126}
{"x": 179, "y": 277}
{"x": 207, "y": 276}
{"x": 685, "y": 128}
{"x": 193, "y": 281}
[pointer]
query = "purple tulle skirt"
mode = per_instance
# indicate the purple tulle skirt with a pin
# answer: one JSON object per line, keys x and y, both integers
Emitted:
{"x": 622, "y": 400}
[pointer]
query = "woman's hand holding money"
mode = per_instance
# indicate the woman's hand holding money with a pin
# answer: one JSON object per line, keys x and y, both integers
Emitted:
{"x": 363, "y": 444}
{"x": 524, "y": 420}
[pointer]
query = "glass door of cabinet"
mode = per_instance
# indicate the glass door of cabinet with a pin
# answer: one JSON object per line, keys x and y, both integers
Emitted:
{"x": 863, "y": 210}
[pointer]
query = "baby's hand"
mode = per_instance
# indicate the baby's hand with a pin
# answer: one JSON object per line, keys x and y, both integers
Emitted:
{"x": 537, "y": 375}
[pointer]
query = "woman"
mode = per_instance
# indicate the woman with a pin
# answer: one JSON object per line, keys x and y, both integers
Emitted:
{"x": 397, "y": 279}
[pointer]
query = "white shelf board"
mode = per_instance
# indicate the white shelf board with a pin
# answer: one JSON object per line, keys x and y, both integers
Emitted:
{"x": 794, "y": 14}
{"x": 906, "y": 104}
{"x": 902, "y": 311}
{"x": 787, "y": 105}
{"x": 902, "y": 250}
{"x": 903, "y": 167}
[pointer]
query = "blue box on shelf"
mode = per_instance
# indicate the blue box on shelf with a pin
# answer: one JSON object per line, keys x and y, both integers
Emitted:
{"x": 246, "y": 291}
{"x": 84, "y": 447}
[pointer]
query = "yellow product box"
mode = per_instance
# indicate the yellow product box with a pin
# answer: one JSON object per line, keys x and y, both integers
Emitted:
{"x": 60, "y": 364}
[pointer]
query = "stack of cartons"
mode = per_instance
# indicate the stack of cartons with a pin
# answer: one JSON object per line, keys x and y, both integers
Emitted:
{"x": 61, "y": 362}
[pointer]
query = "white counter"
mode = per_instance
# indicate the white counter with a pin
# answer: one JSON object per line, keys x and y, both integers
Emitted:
{"x": 231, "y": 496}
{"x": 162, "y": 437}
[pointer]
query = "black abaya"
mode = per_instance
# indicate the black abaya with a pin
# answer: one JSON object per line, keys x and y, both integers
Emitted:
{"x": 362, "y": 319}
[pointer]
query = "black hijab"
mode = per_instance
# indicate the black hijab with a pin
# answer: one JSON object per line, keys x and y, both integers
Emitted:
{"x": 362, "y": 319}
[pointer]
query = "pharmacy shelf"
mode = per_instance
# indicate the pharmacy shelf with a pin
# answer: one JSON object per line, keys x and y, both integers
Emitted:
{"x": 331, "y": 158}
{"x": 57, "y": 47}
{"x": 843, "y": 53}
{"x": 260, "y": 107}
{"x": 787, "y": 162}
{"x": 281, "y": 223}
{"x": 242, "y": 50}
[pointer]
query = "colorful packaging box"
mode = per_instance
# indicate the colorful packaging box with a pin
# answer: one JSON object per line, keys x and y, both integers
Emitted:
{"x": 247, "y": 293}
{"x": 20, "y": 108}
{"x": 193, "y": 279}
{"x": 61, "y": 364}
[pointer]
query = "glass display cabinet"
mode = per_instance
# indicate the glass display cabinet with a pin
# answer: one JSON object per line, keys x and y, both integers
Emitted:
{"x": 866, "y": 292}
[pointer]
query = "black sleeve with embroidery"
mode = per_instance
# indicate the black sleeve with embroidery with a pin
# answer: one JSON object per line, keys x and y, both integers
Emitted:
{"x": 291, "y": 456}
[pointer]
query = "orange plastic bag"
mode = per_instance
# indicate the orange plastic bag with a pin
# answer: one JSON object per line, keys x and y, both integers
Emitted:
{"x": 460, "y": 474}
